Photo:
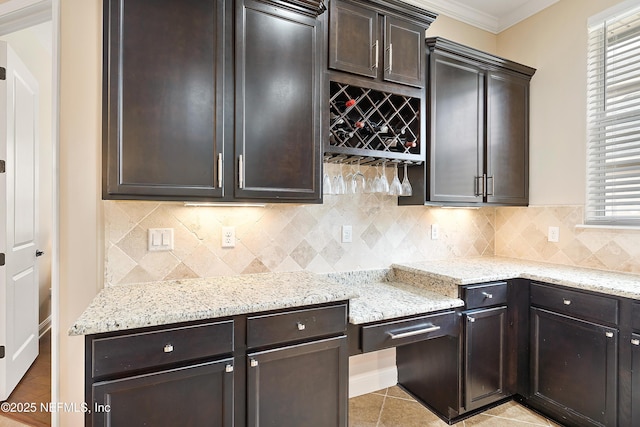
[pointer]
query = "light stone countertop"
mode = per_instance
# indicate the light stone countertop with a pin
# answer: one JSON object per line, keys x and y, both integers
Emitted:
{"x": 447, "y": 275}
{"x": 381, "y": 296}
{"x": 159, "y": 303}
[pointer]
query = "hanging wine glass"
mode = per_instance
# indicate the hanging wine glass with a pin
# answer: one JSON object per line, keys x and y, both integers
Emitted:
{"x": 407, "y": 190}
{"x": 358, "y": 180}
{"x": 395, "y": 189}
{"x": 326, "y": 184}
{"x": 384, "y": 182}
{"x": 339, "y": 186}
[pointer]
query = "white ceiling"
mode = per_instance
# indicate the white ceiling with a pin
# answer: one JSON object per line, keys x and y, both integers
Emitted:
{"x": 490, "y": 15}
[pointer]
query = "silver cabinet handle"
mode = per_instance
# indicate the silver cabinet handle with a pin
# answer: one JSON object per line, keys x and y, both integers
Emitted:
{"x": 228, "y": 368}
{"x": 566, "y": 301}
{"x": 390, "y": 48}
{"x": 635, "y": 341}
{"x": 487, "y": 295}
{"x": 399, "y": 335}
{"x": 301, "y": 326}
{"x": 219, "y": 170}
{"x": 376, "y": 55}
{"x": 168, "y": 348}
{"x": 240, "y": 171}
{"x": 493, "y": 186}
{"x": 609, "y": 334}
{"x": 471, "y": 319}
{"x": 253, "y": 363}
{"x": 479, "y": 185}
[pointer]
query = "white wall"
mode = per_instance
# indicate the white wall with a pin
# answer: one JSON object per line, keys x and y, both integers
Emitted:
{"x": 81, "y": 229}
{"x": 554, "y": 42}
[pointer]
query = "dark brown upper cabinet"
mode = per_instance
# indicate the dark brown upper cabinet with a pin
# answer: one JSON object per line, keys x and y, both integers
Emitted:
{"x": 378, "y": 39}
{"x": 278, "y": 66}
{"x": 477, "y": 131}
{"x": 162, "y": 98}
{"x": 182, "y": 81}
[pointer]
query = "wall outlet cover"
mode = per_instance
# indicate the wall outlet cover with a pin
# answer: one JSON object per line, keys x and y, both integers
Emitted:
{"x": 554, "y": 234}
{"x": 347, "y": 234}
{"x": 228, "y": 237}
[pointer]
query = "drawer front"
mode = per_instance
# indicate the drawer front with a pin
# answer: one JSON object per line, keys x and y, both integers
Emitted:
{"x": 586, "y": 306}
{"x": 121, "y": 354}
{"x": 400, "y": 332}
{"x": 635, "y": 316}
{"x": 485, "y": 295}
{"x": 296, "y": 325}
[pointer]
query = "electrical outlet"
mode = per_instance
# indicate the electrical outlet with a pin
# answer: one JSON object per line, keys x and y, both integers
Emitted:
{"x": 435, "y": 231}
{"x": 554, "y": 234}
{"x": 347, "y": 234}
{"x": 228, "y": 237}
{"x": 160, "y": 239}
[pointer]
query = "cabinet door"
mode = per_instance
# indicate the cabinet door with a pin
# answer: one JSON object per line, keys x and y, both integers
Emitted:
{"x": 574, "y": 369}
{"x": 404, "y": 52}
{"x": 354, "y": 43}
{"x": 507, "y": 139}
{"x": 193, "y": 396}
{"x": 485, "y": 360}
{"x": 162, "y": 98}
{"x": 277, "y": 103}
{"x": 300, "y": 385}
{"x": 635, "y": 379}
{"x": 456, "y": 131}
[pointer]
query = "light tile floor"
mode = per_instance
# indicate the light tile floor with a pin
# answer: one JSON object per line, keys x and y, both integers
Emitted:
{"x": 392, "y": 407}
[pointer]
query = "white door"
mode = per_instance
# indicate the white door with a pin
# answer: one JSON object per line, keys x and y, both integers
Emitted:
{"x": 18, "y": 220}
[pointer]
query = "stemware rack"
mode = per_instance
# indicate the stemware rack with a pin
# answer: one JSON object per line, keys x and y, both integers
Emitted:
{"x": 372, "y": 126}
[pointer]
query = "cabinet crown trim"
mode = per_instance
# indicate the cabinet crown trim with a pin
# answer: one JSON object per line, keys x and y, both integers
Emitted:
{"x": 484, "y": 58}
{"x": 401, "y": 9}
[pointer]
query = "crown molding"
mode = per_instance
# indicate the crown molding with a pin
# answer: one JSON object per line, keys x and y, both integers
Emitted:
{"x": 483, "y": 20}
{"x": 16, "y": 15}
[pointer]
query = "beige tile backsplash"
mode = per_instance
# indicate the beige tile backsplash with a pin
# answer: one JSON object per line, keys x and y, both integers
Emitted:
{"x": 522, "y": 233}
{"x": 284, "y": 237}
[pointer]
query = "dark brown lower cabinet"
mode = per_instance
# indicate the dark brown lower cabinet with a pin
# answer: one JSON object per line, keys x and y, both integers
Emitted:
{"x": 574, "y": 369}
{"x": 195, "y": 395}
{"x": 485, "y": 357}
{"x": 299, "y": 385}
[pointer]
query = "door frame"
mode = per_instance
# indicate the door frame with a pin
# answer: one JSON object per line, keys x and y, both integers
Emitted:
{"x": 16, "y": 15}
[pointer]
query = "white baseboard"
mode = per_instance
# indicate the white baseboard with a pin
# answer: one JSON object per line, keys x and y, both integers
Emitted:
{"x": 372, "y": 381}
{"x": 371, "y": 372}
{"x": 44, "y": 327}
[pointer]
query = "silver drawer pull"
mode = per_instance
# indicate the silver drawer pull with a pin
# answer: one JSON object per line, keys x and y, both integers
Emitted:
{"x": 635, "y": 342}
{"x": 301, "y": 326}
{"x": 397, "y": 336}
{"x": 168, "y": 348}
{"x": 487, "y": 295}
{"x": 566, "y": 301}
{"x": 471, "y": 319}
{"x": 253, "y": 363}
{"x": 609, "y": 334}
{"x": 228, "y": 368}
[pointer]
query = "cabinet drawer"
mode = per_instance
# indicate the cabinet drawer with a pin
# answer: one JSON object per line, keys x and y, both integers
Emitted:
{"x": 127, "y": 353}
{"x": 400, "y": 332}
{"x": 296, "y": 325}
{"x": 573, "y": 303}
{"x": 485, "y": 295}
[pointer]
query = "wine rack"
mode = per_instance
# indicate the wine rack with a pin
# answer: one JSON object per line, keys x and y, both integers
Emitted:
{"x": 371, "y": 123}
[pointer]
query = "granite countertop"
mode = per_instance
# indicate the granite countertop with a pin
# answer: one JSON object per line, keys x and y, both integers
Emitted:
{"x": 446, "y": 275}
{"x": 382, "y": 296}
{"x": 158, "y": 303}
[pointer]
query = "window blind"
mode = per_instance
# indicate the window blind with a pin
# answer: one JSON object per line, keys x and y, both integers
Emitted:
{"x": 613, "y": 108}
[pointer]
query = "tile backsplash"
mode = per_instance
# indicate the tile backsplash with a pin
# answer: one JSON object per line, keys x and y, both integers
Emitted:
{"x": 522, "y": 233}
{"x": 284, "y": 237}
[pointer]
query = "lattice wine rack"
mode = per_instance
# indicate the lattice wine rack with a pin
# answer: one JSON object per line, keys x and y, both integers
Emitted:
{"x": 371, "y": 123}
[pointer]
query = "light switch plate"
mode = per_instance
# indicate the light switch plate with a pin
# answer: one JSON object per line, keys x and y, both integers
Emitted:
{"x": 160, "y": 239}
